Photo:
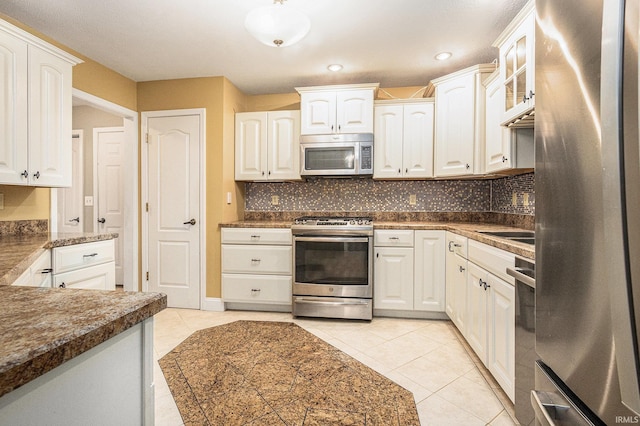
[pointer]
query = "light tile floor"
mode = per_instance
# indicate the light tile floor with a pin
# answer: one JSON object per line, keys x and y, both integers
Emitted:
{"x": 449, "y": 384}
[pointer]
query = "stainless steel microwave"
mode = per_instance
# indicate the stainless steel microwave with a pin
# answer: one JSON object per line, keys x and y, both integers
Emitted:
{"x": 345, "y": 154}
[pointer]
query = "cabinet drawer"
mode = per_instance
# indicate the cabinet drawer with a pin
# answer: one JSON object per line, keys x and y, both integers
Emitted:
{"x": 492, "y": 259}
{"x": 38, "y": 274}
{"x": 69, "y": 258}
{"x": 256, "y": 288}
{"x": 393, "y": 238}
{"x": 98, "y": 277}
{"x": 457, "y": 244}
{"x": 256, "y": 236}
{"x": 257, "y": 259}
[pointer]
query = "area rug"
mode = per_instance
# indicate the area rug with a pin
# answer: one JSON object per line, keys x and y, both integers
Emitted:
{"x": 276, "y": 373}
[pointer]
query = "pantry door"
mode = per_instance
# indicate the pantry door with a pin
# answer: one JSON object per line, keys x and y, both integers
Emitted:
{"x": 173, "y": 145}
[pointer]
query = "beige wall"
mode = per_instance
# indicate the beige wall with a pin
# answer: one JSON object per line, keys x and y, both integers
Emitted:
{"x": 90, "y": 77}
{"x": 221, "y": 100}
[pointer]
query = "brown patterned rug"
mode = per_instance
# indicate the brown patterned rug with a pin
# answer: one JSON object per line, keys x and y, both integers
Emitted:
{"x": 276, "y": 373}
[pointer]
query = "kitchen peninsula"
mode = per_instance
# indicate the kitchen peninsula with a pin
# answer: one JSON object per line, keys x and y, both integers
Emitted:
{"x": 67, "y": 355}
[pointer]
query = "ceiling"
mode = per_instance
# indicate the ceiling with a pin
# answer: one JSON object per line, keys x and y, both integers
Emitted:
{"x": 391, "y": 42}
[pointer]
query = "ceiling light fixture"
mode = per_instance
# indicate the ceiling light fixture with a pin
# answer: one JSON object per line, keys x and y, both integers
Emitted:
{"x": 334, "y": 67}
{"x": 277, "y": 25}
{"x": 443, "y": 56}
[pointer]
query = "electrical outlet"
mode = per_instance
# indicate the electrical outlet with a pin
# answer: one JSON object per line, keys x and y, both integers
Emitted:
{"x": 514, "y": 199}
{"x": 88, "y": 200}
{"x": 275, "y": 200}
{"x": 1, "y": 201}
{"x": 525, "y": 199}
{"x": 412, "y": 199}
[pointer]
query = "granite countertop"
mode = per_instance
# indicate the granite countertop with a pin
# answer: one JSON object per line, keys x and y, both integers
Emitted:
{"x": 19, "y": 251}
{"x": 41, "y": 328}
{"x": 466, "y": 229}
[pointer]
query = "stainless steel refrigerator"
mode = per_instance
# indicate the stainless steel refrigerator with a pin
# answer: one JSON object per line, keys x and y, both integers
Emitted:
{"x": 587, "y": 212}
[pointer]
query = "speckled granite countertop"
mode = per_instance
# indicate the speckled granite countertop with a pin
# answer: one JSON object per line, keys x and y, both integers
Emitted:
{"x": 41, "y": 328}
{"x": 19, "y": 251}
{"x": 466, "y": 229}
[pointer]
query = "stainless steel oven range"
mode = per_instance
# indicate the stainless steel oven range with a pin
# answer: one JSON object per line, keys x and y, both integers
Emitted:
{"x": 333, "y": 267}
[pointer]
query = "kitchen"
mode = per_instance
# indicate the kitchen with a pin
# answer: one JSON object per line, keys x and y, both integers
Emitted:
{"x": 510, "y": 195}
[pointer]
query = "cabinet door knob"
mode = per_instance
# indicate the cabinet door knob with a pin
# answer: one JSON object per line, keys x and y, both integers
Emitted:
{"x": 46, "y": 271}
{"x": 25, "y": 174}
{"x": 37, "y": 174}
{"x": 75, "y": 219}
{"x": 504, "y": 159}
{"x": 189, "y": 222}
{"x": 62, "y": 285}
{"x": 102, "y": 220}
{"x": 467, "y": 166}
{"x": 486, "y": 286}
{"x": 461, "y": 268}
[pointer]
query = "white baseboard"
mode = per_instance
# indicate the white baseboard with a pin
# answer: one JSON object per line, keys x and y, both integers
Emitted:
{"x": 212, "y": 304}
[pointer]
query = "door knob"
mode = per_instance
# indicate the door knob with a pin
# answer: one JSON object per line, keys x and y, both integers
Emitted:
{"x": 102, "y": 220}
{"x": 191, "y": 222}
{"x": 76, "y": 220}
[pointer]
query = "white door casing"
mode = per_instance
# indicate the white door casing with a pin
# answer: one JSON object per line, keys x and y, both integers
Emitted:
{"x": 70, "y": 200}
{"x": 174, "y": 188}
{"x": 109, "y": 188}
{"x": 131, "y": 199}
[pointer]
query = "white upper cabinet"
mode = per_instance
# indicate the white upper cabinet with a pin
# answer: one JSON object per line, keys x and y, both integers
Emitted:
{"x": 35, "y": 107}
{"x": 459, "y": 122}
{"x": 337, "y": 109}
{"x": 403, "y": 139}
{"x": 497, "y": 137}
{"x": 267, "y": 145}
{"x": 505, "y": 148}
{"x": 13, "y": 109}
{"x": 517, "y": 66}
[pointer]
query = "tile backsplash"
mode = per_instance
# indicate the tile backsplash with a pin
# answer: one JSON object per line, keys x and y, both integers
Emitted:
{"x": 512, "y": 195}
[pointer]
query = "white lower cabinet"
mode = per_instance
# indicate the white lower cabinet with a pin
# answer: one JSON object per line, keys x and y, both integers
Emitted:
{"x": 393, "y": 282}
{"x": 38, "y": 274}
{"x": 87, "y": 265}
{"x": 456, "y": 279}
{"x": 99, "y": 277}
{"x": 409, "y": 270}
{"x": 489, "y": 326}
{"x": 257, "y": 266}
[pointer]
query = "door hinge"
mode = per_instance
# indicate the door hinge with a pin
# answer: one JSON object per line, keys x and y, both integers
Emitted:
{"x": 147, "y": 206}
{"x": 146, "y": 137}
{"x": 147, "y": 275}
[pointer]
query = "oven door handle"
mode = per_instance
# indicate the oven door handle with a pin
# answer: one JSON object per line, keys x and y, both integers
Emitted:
{"x": 333, "y": 239}
{"x": 324, "y": 302}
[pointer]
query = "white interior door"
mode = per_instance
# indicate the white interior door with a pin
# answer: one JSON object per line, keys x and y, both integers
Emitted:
{"x": 70, "y": 200}
{"x": 174, "y": 207}
{"x": 109, "y": 142}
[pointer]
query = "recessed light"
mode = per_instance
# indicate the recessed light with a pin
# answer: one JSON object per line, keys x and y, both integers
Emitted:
{"x": 334, "y": 67}
{"x": 443, "y": 56}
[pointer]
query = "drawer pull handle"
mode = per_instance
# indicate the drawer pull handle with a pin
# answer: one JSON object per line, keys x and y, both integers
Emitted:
{"x": 255, "y": 236}
{"x": 46, "y": 271}
{"x": 394, "y": 238}
{"x": 255, "y": 260}
{"x": 90, "y": 255}
{"x": 255, "y": 290}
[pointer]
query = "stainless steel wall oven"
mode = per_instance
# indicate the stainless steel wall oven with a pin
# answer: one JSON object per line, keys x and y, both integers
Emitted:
{"x": 333, "y": 267}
